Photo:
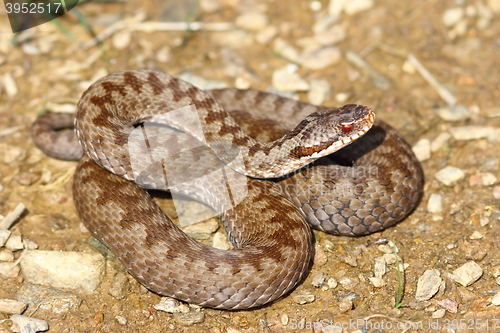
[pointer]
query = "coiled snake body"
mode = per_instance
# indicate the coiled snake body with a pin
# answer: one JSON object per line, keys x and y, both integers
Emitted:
{"x": 365, "y": 187}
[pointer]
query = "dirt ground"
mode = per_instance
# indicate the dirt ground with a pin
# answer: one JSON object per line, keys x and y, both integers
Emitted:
{"x": 51, "y": 69}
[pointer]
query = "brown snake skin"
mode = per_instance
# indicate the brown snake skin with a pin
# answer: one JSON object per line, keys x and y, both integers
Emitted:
{"x": 365, "y": 187}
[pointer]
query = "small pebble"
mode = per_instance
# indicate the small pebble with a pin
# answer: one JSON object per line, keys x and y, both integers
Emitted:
{"x": 345, "y": 305}
{"x": 377, "y": 282}
{"x": 384, "y": 248}
{"x": 121, "y": 320}
{"x": 438, "y": 313}
{"x": 319, "y": 91}
{"x": 252, "y": 21}
{"x": 9, "y": 85}
{"x": 189, "y": 318}
{"x": 286, "y": 80}
{"x": 11, "y": 306}
{"x": 466, "y": 133}
{"x": 496, "y": 192}
{"x": 449, "y": 175}
{"x": 355, "y": 6}
{"x": 320, "y": 257}
{"x": 8, "y": 270}
{"x": 452, "y": 16}
{"x": 121, "y": 39}
{"x": 468, "y": 273}
{"x": 342, "y": 97}
{"x": 449, "y": 305}
{"x": 332, "y": 283}
{"x": 441, "y": 140}
{"x": 428, "y": 285}
{"x": 380, "y": 267}
{"x": 67, "y": 270}
{"x": 24, "y": 324}
{"x": 494, "y": 5}
{"x": 303, "y": 298}
{"x": 422, "y": 149}
{"x": 119, "y": 285}
{"x": 496, "y": 299}
{"x": 482, "y": 179}
{"x": 209, "y": 6}
{"x": 320, "y": 59}
{"x": 349, "y": 259}
{"x": 335, "y": 34}
{"x": 476, "y": 235}
{"x": 6, "y": 255}
{"x": 220, "y": 241}
{"x": 14, "y": 243}
{"x": 163, "y": 54}
{"x": 171, "y": 305}
{"x": 319, "y": 280}
{"x": 49, "y": 299}
{"x": 453, "y": 113}
{"x": 390, "y": 258}
{"x": 347, "y": 283}
{"x": 202, "y": 230}
{"x": 435, "y": 205}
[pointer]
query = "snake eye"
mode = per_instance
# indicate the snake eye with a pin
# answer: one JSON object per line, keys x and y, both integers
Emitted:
{"x": 347, "y": 128}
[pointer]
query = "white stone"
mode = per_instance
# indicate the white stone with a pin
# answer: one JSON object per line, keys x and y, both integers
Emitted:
{"x": 319, "y": 91}
{"x": 453, "y": 113}
{"x": 121, "y": 39}
{"x": 452, "y": 16}
{"x": 8, "y": 270}
{"x": 422, "y": 149}
{"x": 171, "y": 305}
{"x": 320, "y": 58}
{"x": 471, "y": 132}
{"x": 377, "y": 282}
{"x": 209, "y": 6}
{"x": 14, "y": 243}
{"x": 11, "y": 306}
{"x": 285, "y": 80}
{"x": 435, "y": 205}
{"x": 468, "y": 273}
{"x": 355, "y": 6}
{"x": 494, "y": 5}
{"x": 24, "y": 324}
{"x": 449, "y": 175}
{"x": 66, "y": 270}
{"x": 428, "y": 285}
{"x": 334, "y": 35}
{"x": 496, "y": 299}
{"x": 252, "y": 21}
{"x": 476, "y": 235}
{"x": 220, "y": 241}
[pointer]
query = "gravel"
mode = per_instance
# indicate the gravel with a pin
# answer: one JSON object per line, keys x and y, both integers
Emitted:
{"x": 428, "y": 285}
{"x": 468, "y": 273}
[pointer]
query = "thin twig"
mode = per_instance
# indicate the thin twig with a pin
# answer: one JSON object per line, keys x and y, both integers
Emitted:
{"x": 441, "y": 90}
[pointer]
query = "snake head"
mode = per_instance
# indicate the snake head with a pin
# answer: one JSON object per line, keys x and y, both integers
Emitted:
{"x": 324, "y": 132}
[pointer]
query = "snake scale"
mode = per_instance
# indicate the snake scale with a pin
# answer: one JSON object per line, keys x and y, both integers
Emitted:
{"x": 373, "y": 182}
